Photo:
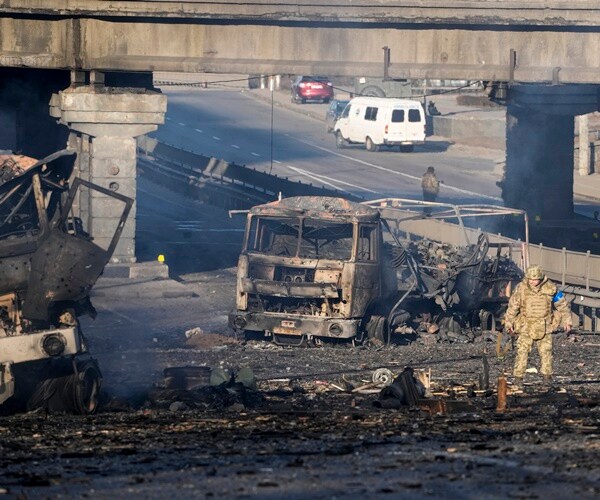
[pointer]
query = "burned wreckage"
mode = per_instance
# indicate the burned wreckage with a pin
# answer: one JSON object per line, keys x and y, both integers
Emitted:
{"x": 318, "y": 267}
{"x": 48, "y": 265}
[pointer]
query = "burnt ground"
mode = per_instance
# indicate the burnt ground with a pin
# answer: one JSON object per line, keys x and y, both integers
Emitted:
{"x": 299, "y": 436}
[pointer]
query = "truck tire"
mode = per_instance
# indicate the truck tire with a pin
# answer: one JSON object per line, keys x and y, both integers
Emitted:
{"x": 65, "y": 390}
{"x": 370, "y": 145}
{"x": 377, "y": 328}
{"x": 340, "y": 142}
{"x": 372, "y": 91}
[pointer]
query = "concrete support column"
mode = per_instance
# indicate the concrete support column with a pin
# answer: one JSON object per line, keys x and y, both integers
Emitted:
{"x": 113, "y": 165}
{"x": 539, "y": 163}
{"x": 107, "y": 121}
{"x": 584, "y": 145}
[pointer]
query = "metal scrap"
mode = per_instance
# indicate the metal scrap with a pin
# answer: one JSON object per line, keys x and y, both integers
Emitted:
{"x": 48, "y": 265}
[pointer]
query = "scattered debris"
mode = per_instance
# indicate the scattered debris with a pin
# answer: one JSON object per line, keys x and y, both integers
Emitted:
{"x": 192, "y": 332}
{"x": 187, "y": 378}
{"x": 501, "y": 405}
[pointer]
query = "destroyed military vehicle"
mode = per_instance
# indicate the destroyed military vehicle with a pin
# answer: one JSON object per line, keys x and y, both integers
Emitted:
{"x": 319, "y": 267}
{"x": 48, "y": 265}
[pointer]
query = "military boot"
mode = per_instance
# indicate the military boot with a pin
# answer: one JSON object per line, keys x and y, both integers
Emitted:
{"x": 547, "y": 381}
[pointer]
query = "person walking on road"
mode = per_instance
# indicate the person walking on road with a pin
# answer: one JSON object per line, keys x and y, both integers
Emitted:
{"x": 535, "y": 310}
{"x": 431, "y": 187}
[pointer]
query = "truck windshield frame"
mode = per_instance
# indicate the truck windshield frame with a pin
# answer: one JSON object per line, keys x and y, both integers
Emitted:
{"x": 301, "y": 237}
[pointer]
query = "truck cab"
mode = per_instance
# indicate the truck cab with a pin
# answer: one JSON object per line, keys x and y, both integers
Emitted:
{"x": 310, "y": 267}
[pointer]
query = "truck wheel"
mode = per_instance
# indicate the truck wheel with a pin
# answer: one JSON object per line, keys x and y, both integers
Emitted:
{"x": 87, "y": 388}
{"x": 340, "y": 142}
{"x": 75, "y": 392}
{"x": 372, "y": 91}
{"x": 407, "y": 148}
{"x": 370, "y": 145}
{"x": 378, "y": 328}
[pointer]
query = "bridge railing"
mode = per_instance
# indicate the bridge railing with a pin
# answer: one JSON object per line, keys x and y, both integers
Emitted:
{"x": 221, "y": 170}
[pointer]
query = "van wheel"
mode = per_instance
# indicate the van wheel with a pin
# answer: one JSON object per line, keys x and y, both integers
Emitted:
{"x": 370, "y": 145}
{"x": 409, "y": 148}
{"x": 340, "y": 142}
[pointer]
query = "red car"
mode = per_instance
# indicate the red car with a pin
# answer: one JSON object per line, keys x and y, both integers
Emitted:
{"x": 311, "y": 88}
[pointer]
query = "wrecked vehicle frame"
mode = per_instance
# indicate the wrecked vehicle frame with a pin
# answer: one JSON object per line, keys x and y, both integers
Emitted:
{"x": 320, "y": 267}
{"x": 48, "y": 265}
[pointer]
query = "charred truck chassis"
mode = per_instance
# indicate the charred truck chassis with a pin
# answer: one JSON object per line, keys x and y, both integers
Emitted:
{"x": 48, "y": 265}
{"x": 318, "y": 267}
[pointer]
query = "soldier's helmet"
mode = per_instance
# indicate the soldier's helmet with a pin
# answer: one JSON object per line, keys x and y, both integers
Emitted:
{"x": 534, "y": 273}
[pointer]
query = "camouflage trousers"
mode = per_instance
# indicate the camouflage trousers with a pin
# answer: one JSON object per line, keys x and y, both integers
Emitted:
{"x": 524, "y": 346}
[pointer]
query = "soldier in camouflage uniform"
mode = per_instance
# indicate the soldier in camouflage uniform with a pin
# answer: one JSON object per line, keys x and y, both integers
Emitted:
{"x": 431, "y": 187}
{"x": 535, "y": 310}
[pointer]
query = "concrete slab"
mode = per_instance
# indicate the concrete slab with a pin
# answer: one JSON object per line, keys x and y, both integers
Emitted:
{"x": 140, "y": 288}
{"x": 145, "y": 270}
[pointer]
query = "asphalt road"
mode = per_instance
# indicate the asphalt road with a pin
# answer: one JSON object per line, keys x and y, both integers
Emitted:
{"x": 234, "y": 126}
{"x": 192, "y": 236}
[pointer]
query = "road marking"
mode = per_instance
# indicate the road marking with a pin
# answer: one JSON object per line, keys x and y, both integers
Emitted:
{"x": 168, "y": 119}
{"x": 319, "y": 176}
{"x": 198, "y": 130}
{"x": 255, "y": 154}
{"x": 316, "y": 178}
{"x": 390, "y": 171}
{"x": 277, "y": 161}
{"x": 235, "y": 146}
{"x": 181, "y": 124}
{"x": 216, "y": 138}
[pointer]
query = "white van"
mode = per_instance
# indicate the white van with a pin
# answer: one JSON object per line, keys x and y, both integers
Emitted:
{"x": 378, "y": 121}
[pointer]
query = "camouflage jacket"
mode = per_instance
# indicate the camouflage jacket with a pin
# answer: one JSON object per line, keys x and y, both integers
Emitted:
{"x": 537, "y": 310}
{"x": 430, "y": 183}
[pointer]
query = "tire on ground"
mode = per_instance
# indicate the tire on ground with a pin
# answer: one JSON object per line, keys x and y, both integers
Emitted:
{"x": 377, "y": 328}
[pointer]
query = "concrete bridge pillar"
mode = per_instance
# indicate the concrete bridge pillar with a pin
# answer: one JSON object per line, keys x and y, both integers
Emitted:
{"x": 540, "y": 147}
{"x": 539, "y": 163}
{"x": 104, "y": 122}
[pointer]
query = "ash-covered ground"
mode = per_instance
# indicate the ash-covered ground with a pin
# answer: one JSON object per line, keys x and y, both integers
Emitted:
{"x": 298, "y": 435}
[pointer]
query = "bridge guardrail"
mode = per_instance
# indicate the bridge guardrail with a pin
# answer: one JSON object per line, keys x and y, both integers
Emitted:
{"x": 220, "y": 169}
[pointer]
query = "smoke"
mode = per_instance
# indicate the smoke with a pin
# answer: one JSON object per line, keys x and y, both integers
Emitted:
{"x": 539, "y": 162}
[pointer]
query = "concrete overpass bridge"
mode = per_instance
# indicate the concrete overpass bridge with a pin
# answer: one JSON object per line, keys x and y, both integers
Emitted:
{"x": 80, "y": 51}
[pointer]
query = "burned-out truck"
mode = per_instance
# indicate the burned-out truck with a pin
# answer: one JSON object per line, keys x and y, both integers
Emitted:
{"x": 48, "y": 265}
{"x": 318, "y": 267}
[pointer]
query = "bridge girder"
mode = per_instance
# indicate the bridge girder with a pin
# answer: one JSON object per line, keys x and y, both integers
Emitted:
{"x": 434, "y": 39}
